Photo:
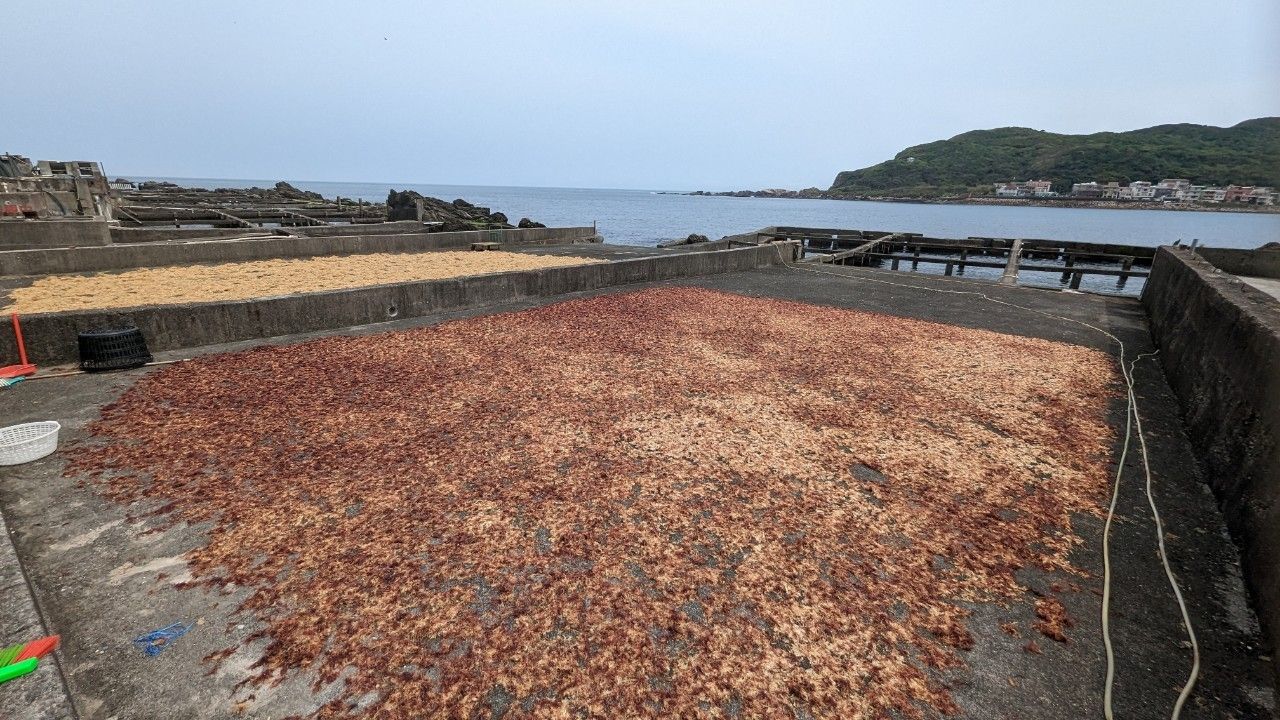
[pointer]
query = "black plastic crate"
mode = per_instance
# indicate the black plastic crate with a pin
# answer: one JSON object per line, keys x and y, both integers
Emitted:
{"x": 113, "y": 349}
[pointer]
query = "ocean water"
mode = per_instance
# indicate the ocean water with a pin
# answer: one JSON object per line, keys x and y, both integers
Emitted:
{"x": 643, "y": 217}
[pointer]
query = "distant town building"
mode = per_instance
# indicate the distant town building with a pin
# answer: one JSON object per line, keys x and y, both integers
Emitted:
{"x": 1167, "y": 190}
{"x": 1142, "y": 190}
{"x": 1030, "y": 188}
{"x": 1249, "y": 195}
{"x": 1086, "y": 190}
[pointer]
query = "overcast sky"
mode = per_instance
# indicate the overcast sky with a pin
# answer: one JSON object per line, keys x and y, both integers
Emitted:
{"x": 639, "y": 94}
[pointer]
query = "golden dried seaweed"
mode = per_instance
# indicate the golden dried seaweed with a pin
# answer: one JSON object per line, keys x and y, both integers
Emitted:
{"x": 224, "y": 282}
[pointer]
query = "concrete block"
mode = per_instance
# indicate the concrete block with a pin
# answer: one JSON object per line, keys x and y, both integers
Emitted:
{"x": 35, "y": 234}
{"x": 1219, "y": 342}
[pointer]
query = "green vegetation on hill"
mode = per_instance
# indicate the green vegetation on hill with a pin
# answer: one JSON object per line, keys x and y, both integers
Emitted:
{"x": 1244, "y": 154}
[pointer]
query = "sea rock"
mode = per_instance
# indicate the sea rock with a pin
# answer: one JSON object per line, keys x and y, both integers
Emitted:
{"x": 289, "y": 192}
{"x": 453, "y": 216}
{"x": 692, "y": 239}
{"x": 527, "y": 223}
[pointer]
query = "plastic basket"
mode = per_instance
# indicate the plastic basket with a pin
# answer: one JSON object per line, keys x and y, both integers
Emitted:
{"x": 28, "y": 441}
{"x": 113, "y": 349}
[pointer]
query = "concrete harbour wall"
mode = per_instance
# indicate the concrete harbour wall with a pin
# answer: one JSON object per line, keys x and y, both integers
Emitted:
{"x": 1251, "y": 263}
{"x": 164, "y": 234}
{"x": 1219, "y": 342}
{"x": 120, "y": 257}
{"x": 51, "y": 337}
{"x": 24, "y": 234}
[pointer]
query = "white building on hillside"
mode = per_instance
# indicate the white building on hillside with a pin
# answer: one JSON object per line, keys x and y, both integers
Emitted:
{"x": 1141, "y": 190}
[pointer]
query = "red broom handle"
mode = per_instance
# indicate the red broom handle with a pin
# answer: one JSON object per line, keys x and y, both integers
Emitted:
{"x": 17, "y": 334}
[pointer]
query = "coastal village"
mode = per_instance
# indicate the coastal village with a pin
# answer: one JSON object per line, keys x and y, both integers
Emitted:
{"x": 1168, "y": 190}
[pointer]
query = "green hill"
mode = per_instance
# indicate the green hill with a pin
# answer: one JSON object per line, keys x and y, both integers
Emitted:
{"x": 1244, "y": 154}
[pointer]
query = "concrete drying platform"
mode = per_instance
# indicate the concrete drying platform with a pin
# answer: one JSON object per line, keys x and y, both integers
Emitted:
{"x": 104, "y": 573}
{"x": 51, "y": 336}
{"x": 231, "y": 282}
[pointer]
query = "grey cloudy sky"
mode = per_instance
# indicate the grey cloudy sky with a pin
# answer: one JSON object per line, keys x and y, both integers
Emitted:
{"x": 653, "y": 94}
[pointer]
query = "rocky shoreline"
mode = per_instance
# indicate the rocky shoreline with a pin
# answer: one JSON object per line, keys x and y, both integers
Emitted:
{"x": 400, "y": 205}
{"x": 817, "y": 194}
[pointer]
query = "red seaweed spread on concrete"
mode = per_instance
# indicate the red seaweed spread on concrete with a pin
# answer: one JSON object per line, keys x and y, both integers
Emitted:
{"x": 672, "y": 502}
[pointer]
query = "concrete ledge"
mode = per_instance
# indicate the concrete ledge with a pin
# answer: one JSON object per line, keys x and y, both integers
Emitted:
{"x": 40, "y": 695}
{"x": 51, "y": 337}
{"x": 26, "y": 234}
{"x": 130, "y": 235}
{"x": 163, "y": 234}
{"x": 120, "y": 257}
{"x": 1219, "y": 342}
{"x": 1251, "y": 263}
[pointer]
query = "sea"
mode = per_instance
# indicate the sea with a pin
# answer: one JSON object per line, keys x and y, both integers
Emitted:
{"x": 645, "y": 217}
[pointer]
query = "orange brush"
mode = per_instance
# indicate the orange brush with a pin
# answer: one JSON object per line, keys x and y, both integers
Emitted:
{"x": 24, "y": 368}
{"x": 38, "y": 648}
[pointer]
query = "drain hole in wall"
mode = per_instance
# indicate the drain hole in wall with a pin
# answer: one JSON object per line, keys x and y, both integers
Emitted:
{"x": 392, "y": 311}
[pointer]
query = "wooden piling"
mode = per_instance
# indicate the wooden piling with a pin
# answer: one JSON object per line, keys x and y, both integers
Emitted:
{"x": 1010, "y": 276}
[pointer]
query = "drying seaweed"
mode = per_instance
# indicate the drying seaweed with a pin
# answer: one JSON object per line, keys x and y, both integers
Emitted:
{"x": 671, "y": 502}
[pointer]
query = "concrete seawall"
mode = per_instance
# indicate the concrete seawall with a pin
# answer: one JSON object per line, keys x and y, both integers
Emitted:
{"x": 163, "y": 234}
{"x": 151, "y": 254}
{"x": 51, "y": 337}
{"x": 26, "y": 234}
{"x": 1219, "y": 342}
{"x": 1253, "y": 263}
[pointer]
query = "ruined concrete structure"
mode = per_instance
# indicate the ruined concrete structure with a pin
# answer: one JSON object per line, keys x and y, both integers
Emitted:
{"x": 53, "y": 189}
{"x": 53, "y": 204}
{"x": 57, "y": 204}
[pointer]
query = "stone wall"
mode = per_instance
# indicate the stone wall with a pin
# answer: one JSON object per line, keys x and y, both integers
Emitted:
{"x": 1219, "y": 342}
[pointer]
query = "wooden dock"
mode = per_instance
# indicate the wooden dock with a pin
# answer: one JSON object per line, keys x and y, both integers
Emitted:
{"x": 1071, "y": 259}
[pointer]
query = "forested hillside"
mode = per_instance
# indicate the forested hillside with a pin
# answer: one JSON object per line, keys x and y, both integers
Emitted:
{"x": 1244, "y": 154}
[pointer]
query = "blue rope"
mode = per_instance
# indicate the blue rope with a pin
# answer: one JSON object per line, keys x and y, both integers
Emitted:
{"x": 154, "y": 642}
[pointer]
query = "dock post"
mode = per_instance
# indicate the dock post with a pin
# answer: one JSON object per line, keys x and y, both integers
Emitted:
{"x": 894, "y": 264}
{"x": 1069, "y": 262}
{"x": 915, "y": 263}
{"x": 1010, "y": 276}
{"x": 1125, "y": 267}
{"x": 949, "y": 269}
{"x": 1076, "y": 277}
{"x": 964, "y": 255}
